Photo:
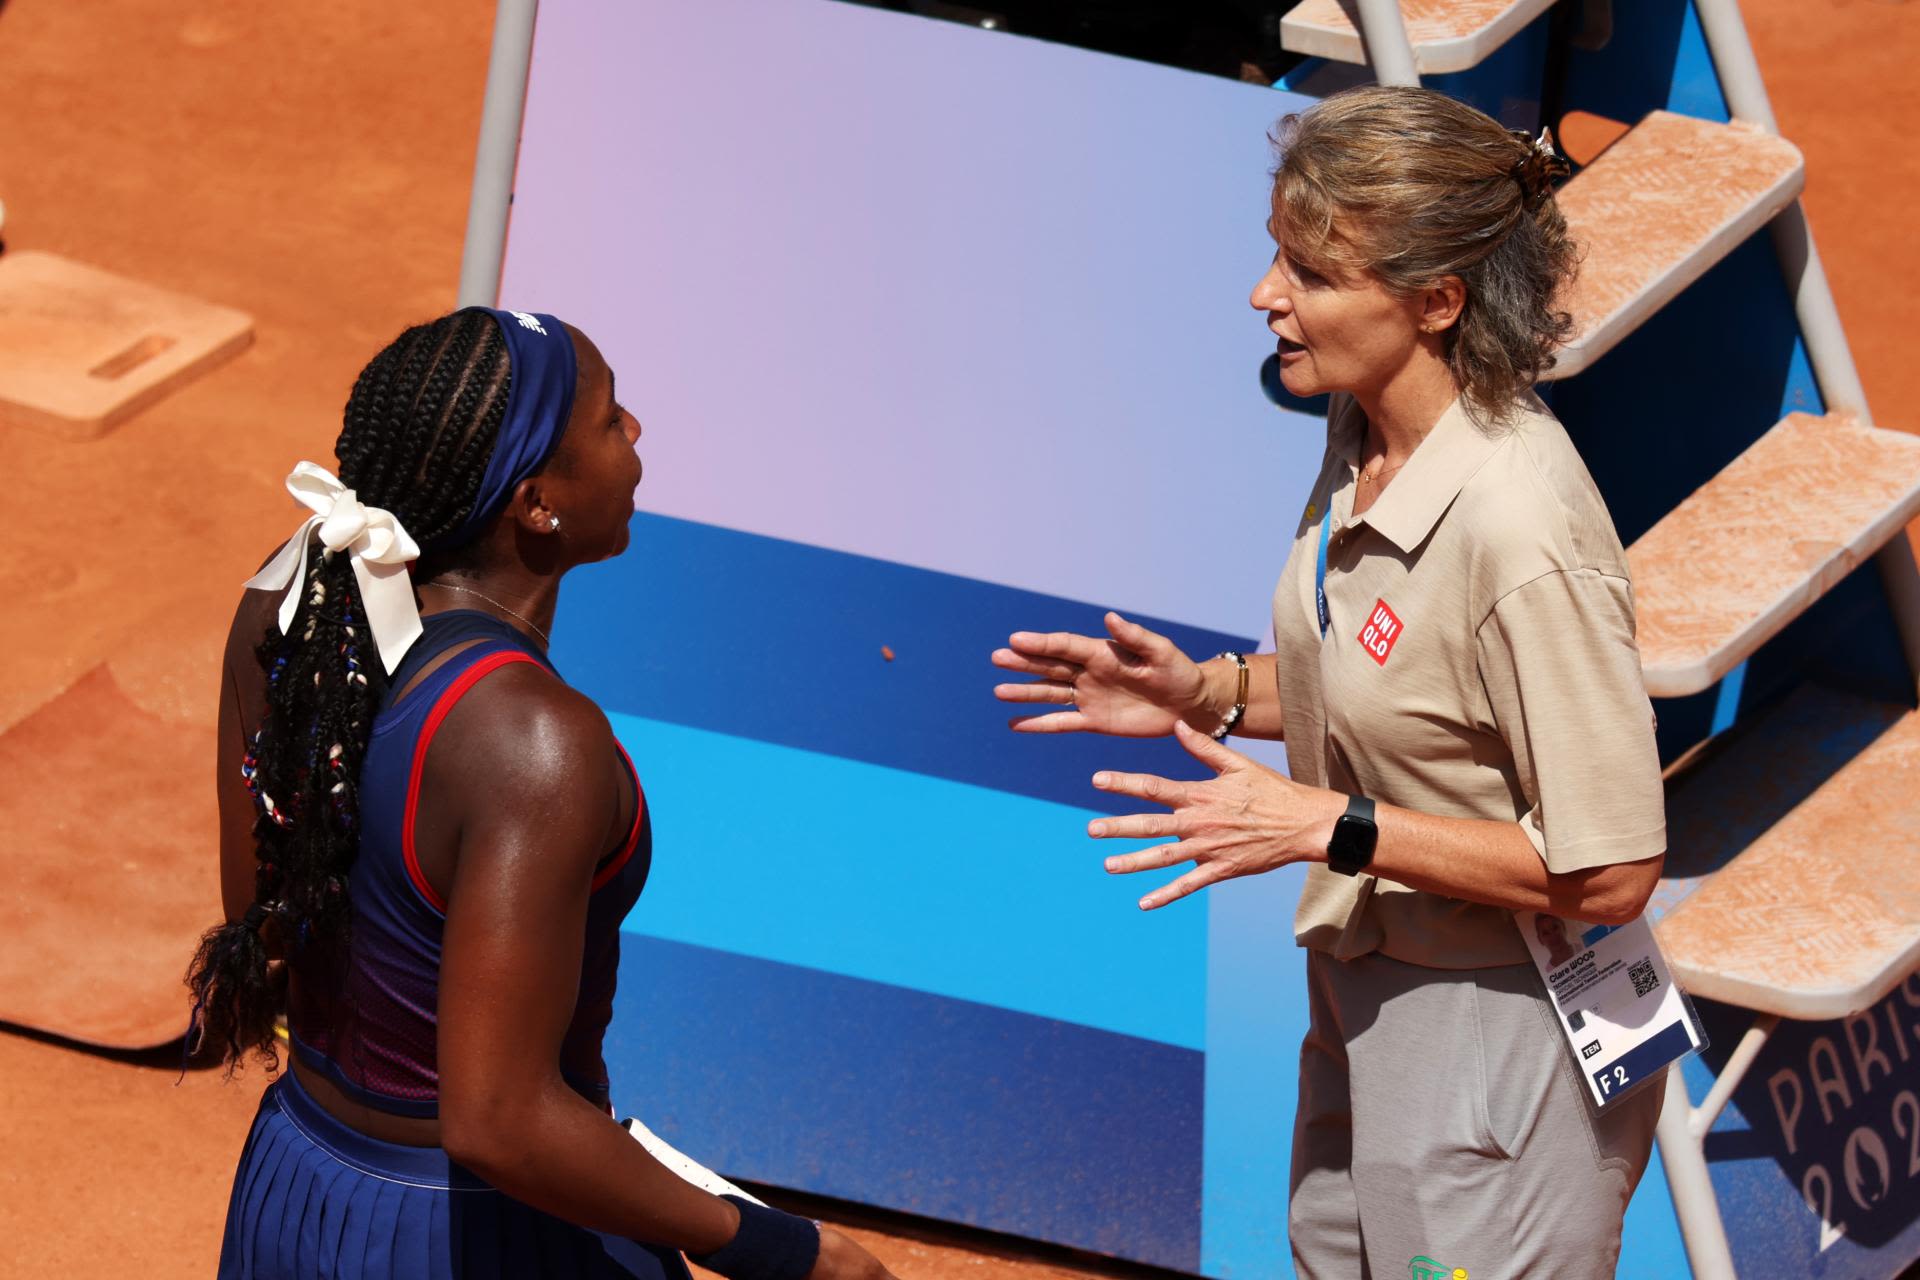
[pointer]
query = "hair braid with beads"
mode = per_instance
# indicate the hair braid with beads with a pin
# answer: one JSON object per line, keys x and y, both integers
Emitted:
{"x": 416, "y": 437}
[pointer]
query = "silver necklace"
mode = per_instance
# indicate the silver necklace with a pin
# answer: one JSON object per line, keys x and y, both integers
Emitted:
{"x": 454, "y": 586}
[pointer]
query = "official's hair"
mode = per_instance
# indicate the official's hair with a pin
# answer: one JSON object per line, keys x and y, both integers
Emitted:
{"x": 1413, "y": 186}
{"x": 418, "y": 430}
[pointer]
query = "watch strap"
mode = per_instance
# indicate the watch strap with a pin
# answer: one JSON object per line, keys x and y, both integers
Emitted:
{"x": 1354, "y": 835}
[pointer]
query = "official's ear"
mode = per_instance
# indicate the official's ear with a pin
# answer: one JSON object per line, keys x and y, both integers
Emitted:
{"x": 1439, "y": 306}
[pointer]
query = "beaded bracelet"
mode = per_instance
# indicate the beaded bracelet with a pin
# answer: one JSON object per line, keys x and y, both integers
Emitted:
{"x": 1228, "y": 725}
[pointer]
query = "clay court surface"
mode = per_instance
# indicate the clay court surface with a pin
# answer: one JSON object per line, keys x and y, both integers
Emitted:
{"x": 309, "y": 165}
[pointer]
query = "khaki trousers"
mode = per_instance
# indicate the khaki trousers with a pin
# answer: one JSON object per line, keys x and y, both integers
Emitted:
{"x": 1443, "y": 1133}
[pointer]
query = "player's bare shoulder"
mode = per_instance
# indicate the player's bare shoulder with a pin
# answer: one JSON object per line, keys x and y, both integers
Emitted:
{"x": 526, "y": 727}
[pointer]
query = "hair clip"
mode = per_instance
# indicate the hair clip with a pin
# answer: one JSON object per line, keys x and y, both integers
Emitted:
{"x": 1541, "y": 168}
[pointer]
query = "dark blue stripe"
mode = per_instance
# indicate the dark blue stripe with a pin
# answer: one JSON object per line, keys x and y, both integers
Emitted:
{"x": 780, "y": 641}
{"x": 922, "y": 1103}
{"x": 1643, "y": 1060}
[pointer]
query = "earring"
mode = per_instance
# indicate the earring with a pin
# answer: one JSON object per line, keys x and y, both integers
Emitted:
{"x": 553, "y": 523}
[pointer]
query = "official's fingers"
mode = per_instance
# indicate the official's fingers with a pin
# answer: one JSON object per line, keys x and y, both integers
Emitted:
{"x": 1133, "y": 636}
{"x": 1136, "y": 826}
{"x": 1153, "y": 859}
{"x": 1042, "y": 691}
{"x": 1053, "y": 644}
{"x": 1174, "y": 890}
{"x": 1058, "y": 722}
{"x": 1205, "y": 748}
{"x": 1145, "y": 786}
{"x": 1008, "y": 660}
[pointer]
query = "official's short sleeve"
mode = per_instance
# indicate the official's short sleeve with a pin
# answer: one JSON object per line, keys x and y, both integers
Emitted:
{"x": 1562, "y": 678}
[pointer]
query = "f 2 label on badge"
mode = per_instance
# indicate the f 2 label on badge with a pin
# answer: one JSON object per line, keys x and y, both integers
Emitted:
{"x": 1622, "y": 1015}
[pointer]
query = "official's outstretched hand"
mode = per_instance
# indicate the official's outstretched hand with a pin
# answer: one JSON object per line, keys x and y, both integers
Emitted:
{"x": 1137, "y": 684}
{"x": 1245, "y": 820}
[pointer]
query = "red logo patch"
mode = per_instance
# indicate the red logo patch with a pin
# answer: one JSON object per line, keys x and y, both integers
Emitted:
{"x": 1380, "y": 633}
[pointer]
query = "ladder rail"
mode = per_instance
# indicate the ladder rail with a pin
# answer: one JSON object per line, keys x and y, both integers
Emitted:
{"x": 497, "y": 152}
{"x": 1682, "y": 1131}
{"x": 1389, "y": 48}
{"x": 1682, "y": 1128}
{"x": 1725, "y": 30}
{"x": 1733, "y": 57}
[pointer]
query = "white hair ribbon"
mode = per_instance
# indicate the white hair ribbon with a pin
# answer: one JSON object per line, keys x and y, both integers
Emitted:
{"x": 371, "y": 537}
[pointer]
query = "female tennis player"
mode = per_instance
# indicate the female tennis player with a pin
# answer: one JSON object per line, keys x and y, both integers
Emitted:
{"x": 428, "y": 842}
{"x": 1458, "y": 687}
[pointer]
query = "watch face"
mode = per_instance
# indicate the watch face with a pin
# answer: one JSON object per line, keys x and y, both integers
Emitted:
{"x": 1352, "y": 846}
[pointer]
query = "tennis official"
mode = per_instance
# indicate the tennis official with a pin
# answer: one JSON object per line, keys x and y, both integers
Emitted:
{"x": 1459, "y": 690}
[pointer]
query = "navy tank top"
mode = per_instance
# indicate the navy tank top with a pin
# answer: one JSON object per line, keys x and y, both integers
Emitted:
{"x": 365, "y": 1013}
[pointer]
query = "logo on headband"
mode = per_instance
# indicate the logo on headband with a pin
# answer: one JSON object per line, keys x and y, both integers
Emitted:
{"x": 528, "y": 322}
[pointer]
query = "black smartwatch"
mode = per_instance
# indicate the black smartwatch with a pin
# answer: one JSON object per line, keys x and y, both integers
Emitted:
{"x": 1354, "y": 835}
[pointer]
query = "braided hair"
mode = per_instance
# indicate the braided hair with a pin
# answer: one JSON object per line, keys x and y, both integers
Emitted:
{"x": 417, "y": 433}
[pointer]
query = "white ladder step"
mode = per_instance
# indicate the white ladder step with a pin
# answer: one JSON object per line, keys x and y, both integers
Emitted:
{"x": 1447, "y": 35}
{"x": 1819, "y": 917}
{"x": 1751, "y": 549}
{"x": 1658, "y": 208}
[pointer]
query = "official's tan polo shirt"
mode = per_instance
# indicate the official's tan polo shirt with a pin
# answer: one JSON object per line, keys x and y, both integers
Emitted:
{"x": 1480, "y": 664}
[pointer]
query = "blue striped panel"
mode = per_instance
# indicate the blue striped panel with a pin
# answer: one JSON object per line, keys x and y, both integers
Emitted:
{"x": 774, "y": 640}
{"x": 939, "y": 1107}
{"x": 1650, "y": 1242}
{"x": 1256, "y": 1018}
{"x": 913, "y": 881}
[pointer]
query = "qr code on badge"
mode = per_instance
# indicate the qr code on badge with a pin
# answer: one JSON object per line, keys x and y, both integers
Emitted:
{"x": 1644, "y": 978}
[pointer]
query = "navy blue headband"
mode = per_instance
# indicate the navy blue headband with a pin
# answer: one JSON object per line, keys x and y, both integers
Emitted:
{"x": 539, "y": 402}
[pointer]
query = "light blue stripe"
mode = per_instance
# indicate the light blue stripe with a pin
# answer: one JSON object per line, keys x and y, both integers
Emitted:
{"x": 1320, "y": 571}
{"x": 1650, "y": 1240}
{"x": 1726, "y": 702}
{"x": 920, "y": 882}
{"x": 1694, "y": 88}
{"x": 1256, "y": 1018}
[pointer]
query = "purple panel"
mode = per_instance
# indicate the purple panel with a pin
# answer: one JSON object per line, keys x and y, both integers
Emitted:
{"x": 946, "y": 297}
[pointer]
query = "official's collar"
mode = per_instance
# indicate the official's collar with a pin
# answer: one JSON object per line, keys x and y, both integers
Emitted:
{"x": 1411, "y": 505}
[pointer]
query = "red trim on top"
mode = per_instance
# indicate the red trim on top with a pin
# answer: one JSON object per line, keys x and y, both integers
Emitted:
{"x": 444, "y": 704}
{"x": 612, "y": 869}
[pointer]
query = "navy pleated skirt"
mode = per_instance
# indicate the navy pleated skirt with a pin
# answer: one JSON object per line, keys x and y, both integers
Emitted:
{"x": 315, "y": 1199}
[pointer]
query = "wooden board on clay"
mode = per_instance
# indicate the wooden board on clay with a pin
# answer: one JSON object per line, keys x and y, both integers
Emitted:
{"x": 83, "y": 349}
{"x": 112, "y": 867}
{"x": 1751, "y": 549}
{"x": 1656, "y": 210}
{"x": 1446, "y": 35}
{"x": 1819, "y": 916}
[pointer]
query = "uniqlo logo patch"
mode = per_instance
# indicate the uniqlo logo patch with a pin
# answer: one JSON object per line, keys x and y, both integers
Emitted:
{"x": 1380, "y": 633}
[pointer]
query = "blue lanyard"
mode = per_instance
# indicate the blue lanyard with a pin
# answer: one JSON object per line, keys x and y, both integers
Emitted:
{"x": 1320, "y": 571}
